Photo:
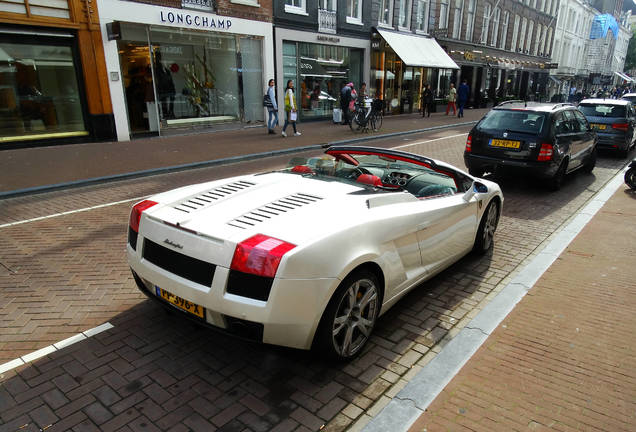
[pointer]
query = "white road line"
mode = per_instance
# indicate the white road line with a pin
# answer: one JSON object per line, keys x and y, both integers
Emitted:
{"x": 27, "y": 358}
{"x": 71, "y": 212}
{"x": 427, "y": 141}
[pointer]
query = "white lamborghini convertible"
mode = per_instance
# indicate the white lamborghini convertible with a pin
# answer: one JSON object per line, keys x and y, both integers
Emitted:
{"x": 311, "y": 255}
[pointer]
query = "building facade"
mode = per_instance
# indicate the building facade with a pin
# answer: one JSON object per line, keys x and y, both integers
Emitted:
{"x": 175, "y": 64}
{"x": 53, "y": 85}
{"x": 320, "y": 45}
{"x": 503, "y": 47}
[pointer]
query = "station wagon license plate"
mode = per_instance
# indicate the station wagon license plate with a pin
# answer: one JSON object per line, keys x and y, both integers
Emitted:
{"x": 182, "y": 304}
{"x": 598, "y": 126}
{"x": 504, "y": 143}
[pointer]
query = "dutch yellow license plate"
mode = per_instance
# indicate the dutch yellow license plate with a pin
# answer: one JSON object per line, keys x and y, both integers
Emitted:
{"x": 505, "y": 143}
{"x": 598, "y": 126}
{"x": 182, "y": 304}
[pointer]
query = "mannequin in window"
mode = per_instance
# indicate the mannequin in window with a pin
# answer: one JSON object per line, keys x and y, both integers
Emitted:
{"x": 165, "y": 87}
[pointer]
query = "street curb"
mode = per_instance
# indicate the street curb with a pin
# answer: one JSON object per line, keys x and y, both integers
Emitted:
{"x": 413, "y": 400}
{"x": 210, "y": 163}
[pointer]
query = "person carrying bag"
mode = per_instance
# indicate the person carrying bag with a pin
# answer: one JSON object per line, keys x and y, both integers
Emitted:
{"x": 269, "y": 102}
{"x": 291, "y": 113}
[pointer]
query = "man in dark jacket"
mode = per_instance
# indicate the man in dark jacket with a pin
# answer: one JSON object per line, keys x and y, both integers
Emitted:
{"x": 462, "y": 97}
{"x": 345, "y": 98}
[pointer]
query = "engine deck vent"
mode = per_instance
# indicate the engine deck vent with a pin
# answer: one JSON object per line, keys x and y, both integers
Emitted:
{"x": 210, "y": 197}
{"x": 273, "y": 209}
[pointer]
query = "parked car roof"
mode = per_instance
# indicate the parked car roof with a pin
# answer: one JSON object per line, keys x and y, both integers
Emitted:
{"x": 606, "y": 101}
{"x": 532, "y": 106}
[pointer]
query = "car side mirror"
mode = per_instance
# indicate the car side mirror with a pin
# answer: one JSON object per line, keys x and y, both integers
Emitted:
{"x": 477, "y": 188}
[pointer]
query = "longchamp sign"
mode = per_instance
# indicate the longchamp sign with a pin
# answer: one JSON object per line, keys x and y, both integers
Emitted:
{"x": 195, "y": 20}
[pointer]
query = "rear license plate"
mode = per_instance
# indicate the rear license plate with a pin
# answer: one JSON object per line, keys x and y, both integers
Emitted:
{"x": 505, "y": 143}
{"x": 182, "y": 304}
{"x": 598, "y": 126}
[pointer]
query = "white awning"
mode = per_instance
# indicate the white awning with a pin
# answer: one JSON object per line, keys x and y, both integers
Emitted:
{"x": 418, "y": 51}
{"x": 625, "y": 77}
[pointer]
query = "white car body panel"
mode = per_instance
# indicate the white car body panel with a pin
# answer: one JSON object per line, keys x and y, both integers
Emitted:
{"x": 335, "y": 231}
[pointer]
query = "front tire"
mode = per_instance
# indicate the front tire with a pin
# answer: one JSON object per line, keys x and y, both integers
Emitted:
{"x": 350, "y": 316}
{"x": 486, "y": 232}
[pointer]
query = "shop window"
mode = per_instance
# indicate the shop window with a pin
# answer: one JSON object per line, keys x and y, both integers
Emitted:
{"x": 39, "y": 92}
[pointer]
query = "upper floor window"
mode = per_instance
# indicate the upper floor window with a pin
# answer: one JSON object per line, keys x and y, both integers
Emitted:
{"x": 504, "y": 30}
{"x": 443, "y": 14}
{"x": 522, "y": 35}
{"x": 404, "y": 17}
{"x": 470, "y": 20}
{"x": 495, "y": 26}
{"x": 529, "y": 38}
{"x": 515, "y": 34}
{"x": 485, "y": 24}
{"x": 296, "y": 6}
{"x": 421, "y": 19}
{"x": 354, "y": 11}
{"x": 458, "y": 12}
{"x": 386, "y": 12}
{"x": 329, "y": 5}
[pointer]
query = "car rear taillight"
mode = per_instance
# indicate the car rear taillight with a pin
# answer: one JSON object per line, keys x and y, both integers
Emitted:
{"x": 135, "y": 214}
{"x": 621, "y": 126}
{"x": 546, "y": 152}
{"x": 469, "y": 143}
{"x": 260, "y": 255}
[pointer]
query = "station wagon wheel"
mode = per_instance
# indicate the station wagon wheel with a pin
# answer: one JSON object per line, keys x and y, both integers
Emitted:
{"x": 591, "y": 161}
{"x": 487, "y": 227}
{"x": 555, "y": 182}
{"x": 350, "y": 316}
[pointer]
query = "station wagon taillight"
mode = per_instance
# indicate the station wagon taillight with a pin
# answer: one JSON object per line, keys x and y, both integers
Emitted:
{"x": 546, "y": 152}
{"x": 621, "y": 126}
{"x": 260, "y": 255}
{"x": 469, "y": 143}
{"x": 137, "y": 210}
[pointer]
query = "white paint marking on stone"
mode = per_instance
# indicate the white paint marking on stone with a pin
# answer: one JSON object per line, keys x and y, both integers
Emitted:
{"x": 5, "y": 367}
{"x": 427, "y": 141}
{"x": 98, "y": 329}
{"x": 10, "y": 365}
{"x": 71, "y": 212}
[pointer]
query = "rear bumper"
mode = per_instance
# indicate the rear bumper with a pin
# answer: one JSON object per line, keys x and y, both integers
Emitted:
{"x": 289, "y": 317}
{"x": 490, "y": 164}
{"x": 612, "y": 141}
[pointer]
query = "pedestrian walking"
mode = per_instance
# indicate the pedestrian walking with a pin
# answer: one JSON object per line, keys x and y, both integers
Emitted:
{"x": 427, "y": 101}
{"x": 345, "y": 99}
{"x": 462, "y": 97}
{"x": 291, "y": 113}
{"x": 272, "y": 108}
{"x": 452, "y": 97}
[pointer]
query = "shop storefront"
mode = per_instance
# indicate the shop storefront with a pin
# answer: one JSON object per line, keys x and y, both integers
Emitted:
{"x": 184, "y": 68}
{"x": 402, "y": 64}
{"x": 50, "y": 75}
{"x": 319, "y": 65}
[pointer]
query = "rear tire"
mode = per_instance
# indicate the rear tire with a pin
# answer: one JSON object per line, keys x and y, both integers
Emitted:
{"x": 556, "y": 181}
{"x": 487, "y": 227}
{"x": 591, "y": 162}
{"x": 350, "y": 316}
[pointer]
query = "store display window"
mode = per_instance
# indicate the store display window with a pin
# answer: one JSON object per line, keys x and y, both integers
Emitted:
{"x": 39, "y": 91}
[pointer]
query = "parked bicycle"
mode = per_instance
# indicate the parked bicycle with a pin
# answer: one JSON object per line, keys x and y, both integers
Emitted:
{"x": 367, "y": 115}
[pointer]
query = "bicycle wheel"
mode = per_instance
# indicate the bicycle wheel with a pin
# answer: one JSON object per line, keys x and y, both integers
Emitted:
{"x": 376, "y": 122}
{"x": 355, "y": 123}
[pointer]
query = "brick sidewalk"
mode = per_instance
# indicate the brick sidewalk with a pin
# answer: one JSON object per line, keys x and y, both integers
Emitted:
{"x": 565, "y": 357}
{"x": 39, "y": 166}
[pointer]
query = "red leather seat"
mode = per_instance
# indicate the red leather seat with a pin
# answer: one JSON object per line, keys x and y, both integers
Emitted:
{"x": 302, "y": 169}
{"x": 369, "y": 179}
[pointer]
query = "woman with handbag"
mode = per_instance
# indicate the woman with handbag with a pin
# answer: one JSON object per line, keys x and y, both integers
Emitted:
{"x": 272, "y": 107}
{"x": 290, "y": 109}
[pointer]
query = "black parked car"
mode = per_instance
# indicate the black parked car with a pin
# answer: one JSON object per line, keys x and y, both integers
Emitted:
{"x": 545, "y": 140}
{"x": 614, "y": 122}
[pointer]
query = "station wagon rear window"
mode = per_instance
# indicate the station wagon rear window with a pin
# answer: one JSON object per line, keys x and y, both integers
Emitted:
{"x": 602, "y": 110}
{"x": 527, "y": 122}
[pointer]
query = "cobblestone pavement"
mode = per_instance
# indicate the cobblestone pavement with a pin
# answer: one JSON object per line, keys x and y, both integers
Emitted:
{"x": 155, "y": 371}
